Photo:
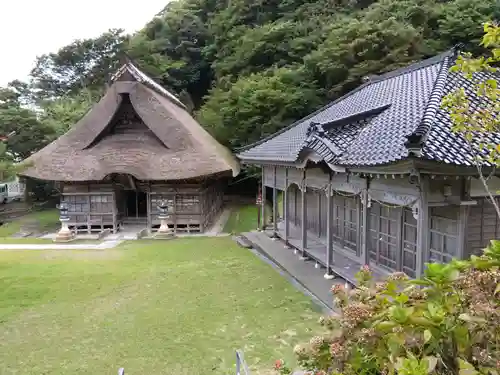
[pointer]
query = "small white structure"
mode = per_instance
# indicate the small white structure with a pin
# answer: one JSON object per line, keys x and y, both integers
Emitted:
{"x": 12, "y": 191}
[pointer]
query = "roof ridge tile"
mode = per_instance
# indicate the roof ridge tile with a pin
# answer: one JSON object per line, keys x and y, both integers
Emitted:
{"x": 417, "y": 138}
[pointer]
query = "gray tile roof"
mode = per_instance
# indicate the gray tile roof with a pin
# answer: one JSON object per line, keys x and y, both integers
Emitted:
{"x": 371, "y": 125}
{"x": 451, "y": 148}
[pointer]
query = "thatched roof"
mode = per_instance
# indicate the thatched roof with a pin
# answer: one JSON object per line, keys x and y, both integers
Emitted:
{"x": 171, "y": 145}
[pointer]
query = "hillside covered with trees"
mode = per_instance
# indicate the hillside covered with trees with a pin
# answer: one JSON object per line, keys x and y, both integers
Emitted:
{"x": 246, "y": 68}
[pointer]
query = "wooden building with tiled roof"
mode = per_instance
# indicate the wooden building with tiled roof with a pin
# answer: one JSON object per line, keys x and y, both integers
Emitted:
{"x": 137, "y": 146}
{"x": 377, "y": 176}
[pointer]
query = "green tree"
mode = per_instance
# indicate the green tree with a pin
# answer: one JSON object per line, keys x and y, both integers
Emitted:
{"x": 356, "y": 48}
{"x": 170, "y": 49}
{"x": 83, "y": 64}
{"x": 29, "y": 134}
{"x": 62, "y": 113}
{"x": 258, "y": 105}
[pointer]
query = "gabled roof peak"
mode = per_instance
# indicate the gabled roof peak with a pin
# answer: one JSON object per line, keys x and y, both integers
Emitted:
{"x": 143, "y": 78}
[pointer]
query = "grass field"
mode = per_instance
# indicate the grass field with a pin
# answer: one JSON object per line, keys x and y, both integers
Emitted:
{"x": 244, "y": 219}
{"x": 45, "y": 220}
{"x": 175, "y": 307}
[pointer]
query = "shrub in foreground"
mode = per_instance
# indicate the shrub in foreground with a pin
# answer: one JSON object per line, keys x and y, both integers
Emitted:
{"x": 447, "y": 322}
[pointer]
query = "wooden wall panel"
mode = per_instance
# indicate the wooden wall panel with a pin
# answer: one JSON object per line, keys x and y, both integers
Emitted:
{"x": 317, "y": 178}
{"x": 280, "y": 178}
{"x": 477, "y": 188}
{"x": 295, "y": 176}
{"x": 437, "y": 187}
{"x": 349, "y": 184}
{"x": 268, "y": 176}
{"x": 483, "y": 225}
{"x": 313, "y": 210}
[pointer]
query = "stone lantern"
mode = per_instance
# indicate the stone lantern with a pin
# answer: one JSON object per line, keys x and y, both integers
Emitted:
{"x": 64, "y": 234}
{"x": 164, "y": 231}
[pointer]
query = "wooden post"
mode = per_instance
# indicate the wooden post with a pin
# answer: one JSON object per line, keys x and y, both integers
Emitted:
{"x": 148, "y": 210}
{"x": 263, "y": 203}
{"x": 329, "y": 243}
{"x": 422, "y": 227}
{"x": 463, "y": 222}
{"x": 89, "y": 211}
{"x": 286, "y": 206}
{"x": 175, "y": 212}
{"x": 115, "y": 229}
{"x": 275, "y": 206}
{"x": 136, "y": 204}
{"x": 462, "y": 232}
{"x": 365, "y": 215}
{"x": 304, "y": 219}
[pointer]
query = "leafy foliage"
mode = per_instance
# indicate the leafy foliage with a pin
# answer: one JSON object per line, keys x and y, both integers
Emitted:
{"x": 255, "y": 106}
{"x": 83, "y": 64}
{"x": 447, "y": 322}
{"x": 61, "y": 114}
{"x": 475, "y": 124}
{"x": 21, "y": 130}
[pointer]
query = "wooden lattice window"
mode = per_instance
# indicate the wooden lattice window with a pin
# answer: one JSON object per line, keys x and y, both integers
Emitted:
{"x": 101, "y": 203}
{"x": 409, "y": 243}
{"x": 384, "y": 228}
{"x": 77, "y": 203}
{"x": 345, "y": 222}
{"x": 392, "y": 241}
{"x": 187, "y": 204}
{"x": 443, "y": 233}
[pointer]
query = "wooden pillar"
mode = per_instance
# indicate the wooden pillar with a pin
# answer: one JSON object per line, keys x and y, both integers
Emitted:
{"x": 275, "y": 206}
{"x": 114, "y": 209}
{"x": 89, "y": 228}
{"x": 175, "y": 212}
{"x": 148, "y": 209}
{"x": 365, "y": 216}
{"x": 462, "y": 251}
{"x": 304, "y": 218}
{"x": 462, "y": 232}
{"x": 286, "y": 206}
{"x": 263, "y": 203}
{"x": 136, "y": 204}
{"x": 422, "y": 227}
{"x": 329, "y": 243}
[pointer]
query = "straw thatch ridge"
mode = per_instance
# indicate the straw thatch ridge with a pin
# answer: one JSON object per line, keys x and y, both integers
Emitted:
{"x": 172, "y": 147}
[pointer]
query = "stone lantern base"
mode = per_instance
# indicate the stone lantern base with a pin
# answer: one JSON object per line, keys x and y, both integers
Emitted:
{"x": 64, "y": 234}
{"x": 164, "y": 232}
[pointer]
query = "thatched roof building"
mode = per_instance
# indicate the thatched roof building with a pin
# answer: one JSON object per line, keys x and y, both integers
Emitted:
{"x": 138, "y": 138}
{"x": 165, "y": 142}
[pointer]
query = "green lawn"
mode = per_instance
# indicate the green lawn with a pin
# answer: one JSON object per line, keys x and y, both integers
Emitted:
{"x": 180, "y": 307}
{"x": 46, "y": 220}
{"x": 244, "y": 219}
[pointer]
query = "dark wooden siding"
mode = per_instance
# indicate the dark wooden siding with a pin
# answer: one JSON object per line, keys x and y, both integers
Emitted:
{"x": 483, "y": 225}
